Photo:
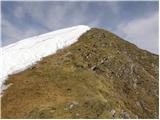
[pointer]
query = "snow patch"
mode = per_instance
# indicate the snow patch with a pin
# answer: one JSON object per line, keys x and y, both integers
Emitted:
{"x": 18, "y": 56}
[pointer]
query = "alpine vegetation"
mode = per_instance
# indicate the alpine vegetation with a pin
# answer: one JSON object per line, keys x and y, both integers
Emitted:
{"x": 79, "y": 72}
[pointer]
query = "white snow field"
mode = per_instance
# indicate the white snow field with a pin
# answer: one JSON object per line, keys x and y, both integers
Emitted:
{"x": 22, "y": 54}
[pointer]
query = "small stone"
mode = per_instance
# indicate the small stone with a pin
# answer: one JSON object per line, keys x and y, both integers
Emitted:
{"x": 93, "y": 67}
{"x": 132, "y": 68}
{"x": 102, "y": 61}
{"x": 113, "y": 113}
{"x": 87, "y": 56}
{"x": 75, "y": 102}
{"x": 134, "y": 85}
{"x": 77, "y": 114}
{"x": 138, "y": 104}
{"x": 71, "y": 106}
{"x": 124, "y": 115}
{"x": 52, "y": 111}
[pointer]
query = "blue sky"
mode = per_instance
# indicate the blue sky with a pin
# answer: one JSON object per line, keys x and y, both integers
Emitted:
{"x": 136, "y": 22}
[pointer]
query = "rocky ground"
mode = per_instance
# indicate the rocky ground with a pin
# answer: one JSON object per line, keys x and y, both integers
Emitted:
{"x": 100, "y": 76}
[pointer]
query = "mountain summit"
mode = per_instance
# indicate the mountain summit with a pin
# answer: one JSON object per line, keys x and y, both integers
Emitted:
{"x": 98, "y": 76}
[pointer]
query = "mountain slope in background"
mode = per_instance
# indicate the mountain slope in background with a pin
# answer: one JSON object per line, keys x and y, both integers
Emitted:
{"x": 99, "y": 76}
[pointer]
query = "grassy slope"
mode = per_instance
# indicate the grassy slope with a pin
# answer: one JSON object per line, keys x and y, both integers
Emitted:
{"x": 100, "y": 76}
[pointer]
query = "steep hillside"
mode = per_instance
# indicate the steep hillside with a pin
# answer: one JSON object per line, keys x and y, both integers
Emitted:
{"x": 28, "y": 51}
{"x": 100, "y": 76}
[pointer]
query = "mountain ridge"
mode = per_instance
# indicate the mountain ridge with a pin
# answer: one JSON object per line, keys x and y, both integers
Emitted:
{"x": 99, "y": 76}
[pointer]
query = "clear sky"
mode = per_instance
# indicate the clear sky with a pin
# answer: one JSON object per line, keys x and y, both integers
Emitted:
{"x": 136, "y": 22}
